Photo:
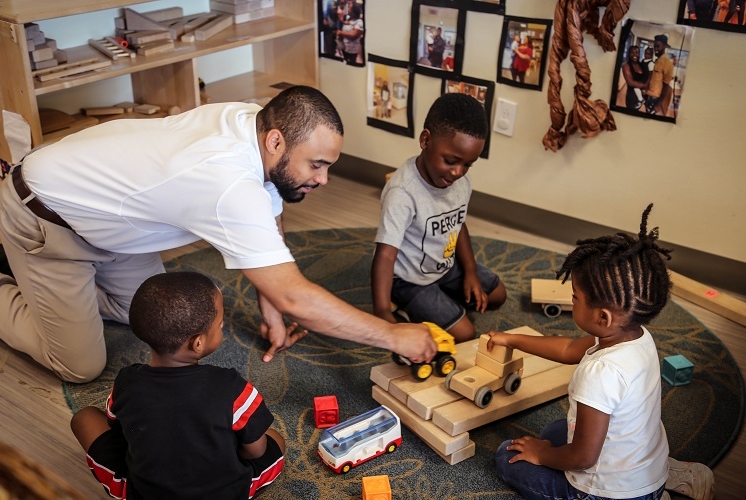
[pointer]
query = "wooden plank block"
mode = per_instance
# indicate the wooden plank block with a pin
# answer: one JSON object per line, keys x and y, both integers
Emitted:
{"x": 463, "y": 415}
{"x": 214, "y": 27}
{"x": 382, "y": 375}
{"x": 138, "y": 38}
{"x": 458, "y": 456}
{"x": 41, "y": 53}
{"x": 150, "y": 48}
{"x": 425, "y": 430}
{"x": 110, "y": 48}
{"x": 70, "y": 69}
{"x": 545, "y": 291}
{"x": 101, "y": 110}
{"x": 147, "y": 109}
{"x": 136, "y": 21}
{"x": 423, "y": 403}
{"x": 166, "y": 14}
{"x": 713, "y": 300}
{"x": 496, "y": 367}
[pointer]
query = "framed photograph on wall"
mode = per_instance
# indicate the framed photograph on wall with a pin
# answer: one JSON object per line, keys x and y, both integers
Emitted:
{"x": 523, "y": 54}
{"x": 342, "y": 30}
{"x": 651, "y": 69}
{"x": 436, "y": 42}
{"x": 482, "y": 90}
{"x": 488, "y": 6}
{"x": 723, "y": 15}
{"x": 389, "y": 95}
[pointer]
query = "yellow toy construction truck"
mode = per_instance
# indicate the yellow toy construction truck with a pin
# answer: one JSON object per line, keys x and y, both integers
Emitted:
{"x": 443, "y": 363}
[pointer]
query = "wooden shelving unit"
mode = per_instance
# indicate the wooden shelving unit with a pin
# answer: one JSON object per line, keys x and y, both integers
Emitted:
{"x": 284, "y": 50}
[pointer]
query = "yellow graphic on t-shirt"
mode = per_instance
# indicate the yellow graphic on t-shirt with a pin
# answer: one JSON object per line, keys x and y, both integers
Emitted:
{"x": 450, "y": 248}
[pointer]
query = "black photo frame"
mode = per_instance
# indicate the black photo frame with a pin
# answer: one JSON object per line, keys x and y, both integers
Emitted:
{"x": 629, "y": 94}
{"x": 334, "y": 16}
{"x": 537, "y": 34}
{"x": 486, "y": 6}
{"x": 431, "y": 19}
{"x": 392, "y": 113}
{"x": 722, "y": 15}
{"x": 481, "y": 90}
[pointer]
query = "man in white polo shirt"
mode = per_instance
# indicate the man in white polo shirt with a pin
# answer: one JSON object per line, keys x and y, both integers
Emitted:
{"x": 83, "y": 221}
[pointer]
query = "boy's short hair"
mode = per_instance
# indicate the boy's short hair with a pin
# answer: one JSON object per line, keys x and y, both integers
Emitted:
{"x": 169, "y": 308}
{"x": 454, "y": 112}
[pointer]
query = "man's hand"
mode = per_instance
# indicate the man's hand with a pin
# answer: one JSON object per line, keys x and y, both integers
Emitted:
{"x": 528, "y": 449}
{"x": 413, "y": 341}
{"x": 273, "y": 329}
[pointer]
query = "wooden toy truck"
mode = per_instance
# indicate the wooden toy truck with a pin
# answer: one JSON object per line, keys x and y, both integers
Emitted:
{"x": 553, "y": 295}
{"x": 493, "y": 370}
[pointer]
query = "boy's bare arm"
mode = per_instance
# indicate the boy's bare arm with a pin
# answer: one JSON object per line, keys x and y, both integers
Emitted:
{"x": 249, "y": 451}
{"x": 465, "y": 255}
{"x": 381, "y": 279}
{"x": 564, "y": 350}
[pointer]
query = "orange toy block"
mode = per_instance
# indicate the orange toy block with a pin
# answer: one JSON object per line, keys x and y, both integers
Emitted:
{"x": 326, "y": 411}
{"x": 376, "y": 488}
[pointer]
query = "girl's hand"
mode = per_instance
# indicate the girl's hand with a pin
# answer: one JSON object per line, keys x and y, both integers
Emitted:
{"x": 528, "y": 449}
{"x": 497, "y": 338}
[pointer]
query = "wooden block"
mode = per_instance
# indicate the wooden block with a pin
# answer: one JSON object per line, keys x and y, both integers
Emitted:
{"x": 214, "y": 27}
{"x": 157, "y": 47}
{"x": 70, "y": 69}
{"x": 467, "y": 451}
{"x": 167, "y": 14}
{"x": 147, "y": 109}
{"x": 138, "y": 38}
{"x": 51, "y": 43}
{"x": 41, "y": 53}
{"x": 111, "y": 48}
{"x": 49, "y": 63}
{"x": 499, "y": 353}
{"x": 60, "y": 56}
{"x": 231, "y": 8}
{"x": 400, "y": 388}
{"x": 128, "y": 107}
{"x": 423, "y": 403}
{"x": 382, "y": 375}
{"x": 496, "y": 367}
{"x": 463, "y": 415}
{"x": 425, "y": 430}
{"x": 136, "y": 21}
{"x": 80, "y": 122}
{"x": 52, "y": 120}
{"x": 713, "y": 300}
{"x": 31, "y": 29}
{"x": 101, "y": 110}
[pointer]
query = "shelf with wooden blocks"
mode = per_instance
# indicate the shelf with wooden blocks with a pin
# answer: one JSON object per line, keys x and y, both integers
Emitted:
{"x": 443, "y": 418}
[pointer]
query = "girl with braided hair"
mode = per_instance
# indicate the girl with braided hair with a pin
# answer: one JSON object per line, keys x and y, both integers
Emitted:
{"x": 612, "y": 443}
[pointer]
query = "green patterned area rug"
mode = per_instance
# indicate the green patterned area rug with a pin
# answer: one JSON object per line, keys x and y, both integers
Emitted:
{"x": 702, "y": 419}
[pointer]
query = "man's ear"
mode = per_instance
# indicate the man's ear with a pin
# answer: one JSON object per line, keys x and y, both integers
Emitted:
{"x": 274, "y": 142}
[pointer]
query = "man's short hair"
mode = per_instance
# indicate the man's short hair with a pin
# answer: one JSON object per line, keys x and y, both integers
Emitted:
{"x": 296, "y": 112}
{"x": 455, "y": 112}
{"x": 170, "y": 308}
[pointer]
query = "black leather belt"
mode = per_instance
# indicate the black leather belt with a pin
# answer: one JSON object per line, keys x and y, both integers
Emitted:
{"x": 29, "y": 199}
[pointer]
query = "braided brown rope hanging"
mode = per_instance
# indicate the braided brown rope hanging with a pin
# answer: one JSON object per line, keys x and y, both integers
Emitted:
{"x": 571, "y": 18}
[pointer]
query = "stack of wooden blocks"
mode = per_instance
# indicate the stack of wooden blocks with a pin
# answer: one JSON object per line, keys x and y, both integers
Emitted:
{"x": 155, "y": 31}
{"x": 443, "y": 418}
{"x": 43, "y": 52}
{"x": 244, "y": 10}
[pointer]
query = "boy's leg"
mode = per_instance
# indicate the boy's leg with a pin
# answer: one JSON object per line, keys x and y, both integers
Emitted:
{"x": 105, "y": 449}
{"x": 268, "y": 466}
{"x": 431, "y": 303}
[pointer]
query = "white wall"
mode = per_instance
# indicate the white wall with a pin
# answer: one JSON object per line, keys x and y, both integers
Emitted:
{"x": 76, "y": 30}
{"x": 693, "y": 170}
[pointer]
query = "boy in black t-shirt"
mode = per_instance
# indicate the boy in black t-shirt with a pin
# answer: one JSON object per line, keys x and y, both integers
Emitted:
{"x": 174, "y": 428}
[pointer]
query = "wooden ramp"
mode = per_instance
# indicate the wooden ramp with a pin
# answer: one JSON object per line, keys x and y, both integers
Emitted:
{"x": 443, "y": 418}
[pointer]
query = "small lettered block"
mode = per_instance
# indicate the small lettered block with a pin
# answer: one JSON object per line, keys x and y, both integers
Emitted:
{"x": 326, "y": 411}
{"x": 376, "y": 488}
{"x": 677, "y": 370}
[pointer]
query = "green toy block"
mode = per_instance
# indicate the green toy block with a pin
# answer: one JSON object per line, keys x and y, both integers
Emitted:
{"x": 677, "y": 370}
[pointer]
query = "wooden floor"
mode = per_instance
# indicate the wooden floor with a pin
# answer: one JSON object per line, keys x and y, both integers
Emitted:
{"x": 35, "y": 418}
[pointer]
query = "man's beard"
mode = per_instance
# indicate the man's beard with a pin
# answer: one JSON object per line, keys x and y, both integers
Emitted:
{"x": 285, "y": 184}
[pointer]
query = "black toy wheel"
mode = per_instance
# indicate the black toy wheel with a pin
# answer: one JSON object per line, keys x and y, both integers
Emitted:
{"x": 445, "y": 365}
{"x": 422, "y": 371}
{"x": 483, "y": 397}
{"x": 448, "y": 379}
{"x": 512, "y": 383}
{"x": 552, "y": 310}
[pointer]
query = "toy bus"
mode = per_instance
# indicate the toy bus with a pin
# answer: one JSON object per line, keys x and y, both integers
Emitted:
{"x": 362, "y": 438}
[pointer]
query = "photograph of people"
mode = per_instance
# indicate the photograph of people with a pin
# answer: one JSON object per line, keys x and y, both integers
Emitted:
{"x": 651, "y": 68}
{"x": 726, "y": 15}
{"x": 388, "y": 97}
{"x": 342, "y": 30}
{"x": 522, "y": 58}
{"x": 482, "y": 90}
{"x": 436, "y": 37}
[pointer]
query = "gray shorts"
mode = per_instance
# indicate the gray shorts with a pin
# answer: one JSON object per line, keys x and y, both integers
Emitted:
{"x": 441, "y": 302}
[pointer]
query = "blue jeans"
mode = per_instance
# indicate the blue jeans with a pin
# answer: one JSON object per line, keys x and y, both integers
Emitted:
{"x": 542, "y": 483}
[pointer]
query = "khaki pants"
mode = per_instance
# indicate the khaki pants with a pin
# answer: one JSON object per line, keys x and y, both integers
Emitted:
{"x": 66, "y": 288}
